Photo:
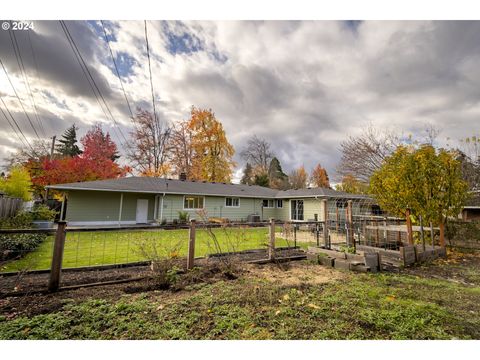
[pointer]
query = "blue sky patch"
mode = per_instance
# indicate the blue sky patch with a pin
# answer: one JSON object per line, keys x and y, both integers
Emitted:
{"x": 182, "y": 44}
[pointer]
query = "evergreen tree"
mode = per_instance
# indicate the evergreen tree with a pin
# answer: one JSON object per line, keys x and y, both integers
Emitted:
{"x": 68, "y": 144}
{"x": 277, "y": 178}
{"x": 247, "y": 177}
{"x": 261, "y": 180}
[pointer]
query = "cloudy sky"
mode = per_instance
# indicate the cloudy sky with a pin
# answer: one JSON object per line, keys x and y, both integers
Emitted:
{"x": 304, "y": 86}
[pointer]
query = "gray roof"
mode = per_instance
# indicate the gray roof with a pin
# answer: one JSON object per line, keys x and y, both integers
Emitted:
{"x": 171, "y": 186}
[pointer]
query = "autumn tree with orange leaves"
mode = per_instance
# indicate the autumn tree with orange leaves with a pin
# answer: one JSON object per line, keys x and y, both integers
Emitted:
{"x": 181, "y": 149}
{"x": 212, "y": 158}
{"x": 319, "y": 177}
{"x": 298, "y": 178}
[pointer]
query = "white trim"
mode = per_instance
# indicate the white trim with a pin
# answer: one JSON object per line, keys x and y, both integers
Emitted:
{"x": 120, "y": 210}
{"x": 95, "y": 223}
{"x": 192, "y": 209}
{"x": 276, "y": 204}
{"x": 232, "y": 197}
{"x": 161, "y": 209}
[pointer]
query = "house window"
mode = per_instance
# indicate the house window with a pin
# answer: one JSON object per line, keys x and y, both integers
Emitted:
{"x": 232, "y": 202}
{"x": 193, "y": 202}
{"x": 268, "y": 203}
{"x": 279, "y": 203}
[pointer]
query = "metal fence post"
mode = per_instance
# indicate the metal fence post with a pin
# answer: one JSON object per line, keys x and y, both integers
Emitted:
{"x": 271, "y": 246}
{"x": 56, "y": 269}
{"x": 191, "y": 246}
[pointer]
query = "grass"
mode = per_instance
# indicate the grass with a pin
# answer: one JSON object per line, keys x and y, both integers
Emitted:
{"x": 105, "y": 248}
{"x": 358, "y": 306}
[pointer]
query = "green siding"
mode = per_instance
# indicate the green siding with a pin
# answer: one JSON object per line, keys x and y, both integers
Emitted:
{"x": 105, "y": 206}
{"x": 101, "y": 206}
{"x": 214, "y": 206}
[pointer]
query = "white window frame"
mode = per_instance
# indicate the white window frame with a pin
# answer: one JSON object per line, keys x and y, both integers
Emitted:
{"x": 268, "y": 202}
{"x": 276, "y": 203}
{"x": 194, "y": 196}
{"x": 233, "y": 198}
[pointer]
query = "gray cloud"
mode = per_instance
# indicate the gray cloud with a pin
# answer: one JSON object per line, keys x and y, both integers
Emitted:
{"x": 304, "y": 86}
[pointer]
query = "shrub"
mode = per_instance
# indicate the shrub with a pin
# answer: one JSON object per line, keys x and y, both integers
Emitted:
{"x": 13, "y": 245}
{"x": 183, "y": 217}
{"x": 43, "y": 212}
{"x": 22, "y": 220}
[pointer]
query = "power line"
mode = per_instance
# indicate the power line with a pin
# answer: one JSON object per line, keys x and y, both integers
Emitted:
{"x": 80, "y": 57}
{"x": 21, "y": 66}
{"x": 18, "y": 97}
{"x": 26, "y": 142}
{"x": 150, "y": 71}
{"x": 116, "y": 69}
{"x": 34, "y": 57}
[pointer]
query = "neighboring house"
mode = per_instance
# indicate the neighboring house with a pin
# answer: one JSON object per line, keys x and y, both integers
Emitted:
{"x": 138, "y": 200}
{"x": 471, "y": 211}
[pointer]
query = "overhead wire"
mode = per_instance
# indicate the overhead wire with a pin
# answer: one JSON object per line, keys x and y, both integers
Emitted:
{"x": 88, "y": 75}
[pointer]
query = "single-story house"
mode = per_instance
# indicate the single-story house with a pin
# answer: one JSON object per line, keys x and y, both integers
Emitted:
{"x": 140, "y": 200}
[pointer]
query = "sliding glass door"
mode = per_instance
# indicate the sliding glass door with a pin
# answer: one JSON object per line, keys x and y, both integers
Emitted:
{"x": 296, "y": 209}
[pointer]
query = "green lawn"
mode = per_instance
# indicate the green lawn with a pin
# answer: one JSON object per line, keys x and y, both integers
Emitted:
{"x": 116, "y": 247}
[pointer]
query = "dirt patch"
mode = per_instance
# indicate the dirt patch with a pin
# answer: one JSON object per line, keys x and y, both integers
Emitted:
{"x": 458, "y": 267}
{"x": 295, "y": 273}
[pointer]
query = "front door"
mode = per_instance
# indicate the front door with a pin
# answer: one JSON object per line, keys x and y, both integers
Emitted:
{"x": 142, "y": 211}
{"x": 296, "y": 208}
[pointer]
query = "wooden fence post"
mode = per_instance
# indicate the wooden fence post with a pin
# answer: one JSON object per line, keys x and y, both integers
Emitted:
{"x": 191, "y": 246}
{"x": 350, "y": 234}
{"x": 409, "y": 227}
{"x": 422, "y": 234}
{"x": 56, "y": 268}
{"x": 271, "y": 245}
{"x": 295, "y": 233}
{"x": 325, "y": 224}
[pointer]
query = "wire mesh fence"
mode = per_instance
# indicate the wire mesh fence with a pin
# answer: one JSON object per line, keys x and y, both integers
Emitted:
{"x": 96, "y": 247}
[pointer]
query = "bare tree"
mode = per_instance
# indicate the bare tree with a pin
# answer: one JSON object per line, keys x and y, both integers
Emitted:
{"x": 40, "y": 149}
{"x": 181, "y": 149}
{"x": 257, "y": 152}
{"x": 148, "y": 149}
{"x": 363, "y": 154}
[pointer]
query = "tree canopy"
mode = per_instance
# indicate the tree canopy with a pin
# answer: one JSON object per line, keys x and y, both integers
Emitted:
{"x": 425, "y": 180}
{"x": 17, "y": 184}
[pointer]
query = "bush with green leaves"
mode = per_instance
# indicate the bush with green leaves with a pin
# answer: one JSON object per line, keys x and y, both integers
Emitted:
{"x": 43, "y": 212}
{"x": 23, "y": 220}
{"x": 14, "y": 245}
{"x": 183, "y": 216}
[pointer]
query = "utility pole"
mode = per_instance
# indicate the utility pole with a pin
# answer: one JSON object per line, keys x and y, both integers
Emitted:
{"x": 51, "y": 157}
{"x": 53, "y": 146}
